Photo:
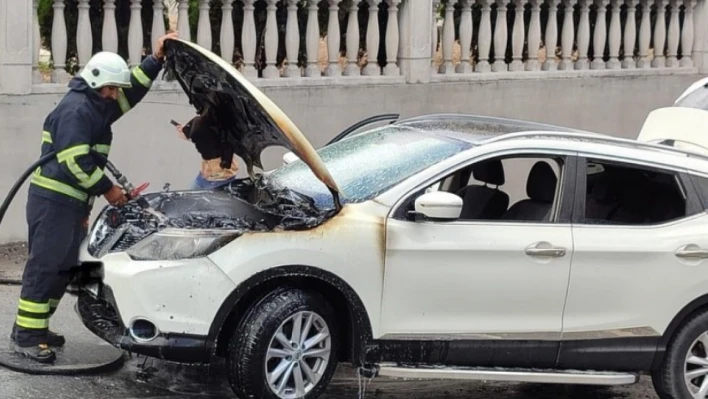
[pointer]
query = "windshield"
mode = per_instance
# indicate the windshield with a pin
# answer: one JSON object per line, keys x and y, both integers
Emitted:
{"x": 367, "y": 164}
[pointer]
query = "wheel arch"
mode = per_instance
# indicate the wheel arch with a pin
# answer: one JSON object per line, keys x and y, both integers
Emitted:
{"x": 698, "y": 305}
{"x": 356, "y": 324}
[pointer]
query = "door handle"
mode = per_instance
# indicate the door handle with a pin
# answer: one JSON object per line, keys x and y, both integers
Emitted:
{"x": 545, "y": 249}
{"x": 692, "y": 251}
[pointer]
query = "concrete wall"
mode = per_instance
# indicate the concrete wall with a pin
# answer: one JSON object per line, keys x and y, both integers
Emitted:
{"x": 146, "y": 147}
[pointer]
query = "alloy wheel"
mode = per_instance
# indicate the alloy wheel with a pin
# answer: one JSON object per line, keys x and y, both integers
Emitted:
{"x": 696, "y": 367}
{"x": 298, "y": 355}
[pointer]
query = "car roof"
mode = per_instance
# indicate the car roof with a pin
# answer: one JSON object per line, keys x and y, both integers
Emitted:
{"x": 481, "y": 130}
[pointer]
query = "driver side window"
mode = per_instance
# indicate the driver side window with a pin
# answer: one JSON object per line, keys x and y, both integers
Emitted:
{"x": 517, "y": 188}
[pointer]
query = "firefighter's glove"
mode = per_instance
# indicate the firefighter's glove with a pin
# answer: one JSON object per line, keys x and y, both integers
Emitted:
{"x": 115, "y": 196}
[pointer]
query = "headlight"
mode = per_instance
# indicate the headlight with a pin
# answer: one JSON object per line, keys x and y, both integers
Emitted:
{"x": 173, "y": 244}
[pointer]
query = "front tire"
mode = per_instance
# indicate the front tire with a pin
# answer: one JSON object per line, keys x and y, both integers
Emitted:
{"x": 684, "y": 371}
{"x": 285, "y": 347}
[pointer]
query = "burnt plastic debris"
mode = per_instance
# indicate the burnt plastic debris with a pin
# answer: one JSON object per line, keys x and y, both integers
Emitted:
{"x": 242, "y": 206}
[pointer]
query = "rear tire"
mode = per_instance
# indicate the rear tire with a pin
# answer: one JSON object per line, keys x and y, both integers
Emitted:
{"x": 686, "y": 356}
{"x": 285, "y": 347}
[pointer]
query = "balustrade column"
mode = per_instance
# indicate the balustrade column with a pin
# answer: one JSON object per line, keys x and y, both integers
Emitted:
{"x": 183, "y": 20}
{"x": 659, "y": 60}
{"x": 644, "y": 35}
{"x": 599, "y": 36}
{"x": 630, "y": 35}
{"x": 135, "y": 34}
{"x": 500, "y": 37}
{"x": 226, "y": 39}
{"x": 687, "y": 35}
{"x": 333, "y": 34}
{"x": 434, "y": 36}
{"x": 551, "y": 40}
{"x": 517, "y": 39}
{"x": 392, "y": 39}
{"x": 204, "y": 25}
{"x": 59, "y": 43}
{"x": 292, "y": 41}
{"x": 567, "y": 36}
{"x": 674, "y": 35}
{"x": 583, "y": 35}
{"x": 352, "y": 68}
{"x": 448, "y": 39}
{"x": 372, "y": 41}
{"x": 534, "y": 42}
{"x": 36, "y": 44}
{"x": 271, "y": 41}
{"x": 466, "y": 29}
{"x": 248, "y": 40}
{"x": 158, "y": 21}
{"x": 84, "y": 39}
{"x": 110, "y": 30}
{"x": 312, "y": 39}
{"x": 615, "y": 36}
{"x": 484, "y": 42}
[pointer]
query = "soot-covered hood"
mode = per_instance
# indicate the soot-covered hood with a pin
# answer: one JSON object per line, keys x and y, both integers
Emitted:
{"x": 248, "y": 120}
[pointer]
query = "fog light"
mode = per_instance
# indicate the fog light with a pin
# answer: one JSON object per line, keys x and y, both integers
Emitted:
{"x": 143, "y": 330}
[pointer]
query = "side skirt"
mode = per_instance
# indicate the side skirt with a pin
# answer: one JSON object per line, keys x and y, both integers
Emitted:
{"x": 611, "y": 354}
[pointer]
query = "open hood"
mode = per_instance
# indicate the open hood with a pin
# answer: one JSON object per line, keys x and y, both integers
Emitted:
{"x": 248, "y": 120}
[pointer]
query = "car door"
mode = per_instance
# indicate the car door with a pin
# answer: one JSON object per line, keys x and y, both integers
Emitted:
{"x": 640, "y": 257}
{"x": 483, "y": 279}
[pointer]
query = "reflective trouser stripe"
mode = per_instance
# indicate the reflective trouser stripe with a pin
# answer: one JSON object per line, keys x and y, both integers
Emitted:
{"x": 123, "y": 101}
{"x": 57, "y": 186}
{"x": 33, "y": 307}
{"x": 32, "y": 323}
{"x": 142, "y": 77}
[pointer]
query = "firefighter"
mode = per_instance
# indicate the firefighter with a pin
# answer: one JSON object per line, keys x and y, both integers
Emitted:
{"x": 62, "y": 191}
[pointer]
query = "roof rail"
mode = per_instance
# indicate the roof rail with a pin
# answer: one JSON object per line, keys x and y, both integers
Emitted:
{"x": 596, "y": 137}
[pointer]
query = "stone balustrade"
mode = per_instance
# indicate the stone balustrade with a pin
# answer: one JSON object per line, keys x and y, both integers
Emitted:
{"x": 282, "y": 42}
{"x": 332, "y": 64}
{"x": 608, "y": 35}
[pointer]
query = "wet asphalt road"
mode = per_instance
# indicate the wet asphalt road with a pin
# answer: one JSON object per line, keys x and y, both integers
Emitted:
{"x": 166, "y": 381}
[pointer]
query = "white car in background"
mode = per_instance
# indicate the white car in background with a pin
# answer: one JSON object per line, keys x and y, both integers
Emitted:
{"x": 441, "y": 246}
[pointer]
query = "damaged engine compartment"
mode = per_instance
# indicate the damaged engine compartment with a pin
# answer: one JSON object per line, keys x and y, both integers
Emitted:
{"x": 242, "y": 206}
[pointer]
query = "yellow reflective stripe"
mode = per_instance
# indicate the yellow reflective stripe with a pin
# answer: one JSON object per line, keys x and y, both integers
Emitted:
{"x": 53, "y": 303}
{"x": 54, "y": 185}
{"x": 46, "y": 137}
{"x": 102, "y": 148}
{"x": 123, "y": 101}
{"x": 70, "y": 153}
{"x": 91, "y": 181}
{"x": 33, "y": 307}
{"x": 28, "y": 322}
{"x": 142, "y": 77}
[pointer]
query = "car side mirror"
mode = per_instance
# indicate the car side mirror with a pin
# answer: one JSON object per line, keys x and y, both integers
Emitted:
{"x": 289, "y": 157}
{"x": 439, "y": 205}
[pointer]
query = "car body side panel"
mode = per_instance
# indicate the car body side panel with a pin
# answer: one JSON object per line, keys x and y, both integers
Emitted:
{"x": 178, "y": 296}
{"x": 350, "y": 246}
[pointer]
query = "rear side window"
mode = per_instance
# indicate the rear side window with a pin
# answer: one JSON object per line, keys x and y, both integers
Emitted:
{"x": 701, "y": 184}
{"x": 622, "y": 194}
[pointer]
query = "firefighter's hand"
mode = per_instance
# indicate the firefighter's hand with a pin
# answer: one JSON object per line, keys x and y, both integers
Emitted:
{"x": 115, "y": 196}
{"x": 180, "y": 133}
{"x": 160, "y": 49}
{"x": 85, "y": 223}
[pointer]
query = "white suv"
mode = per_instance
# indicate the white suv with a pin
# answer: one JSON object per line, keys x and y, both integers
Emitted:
{"x": 454, "y": 246}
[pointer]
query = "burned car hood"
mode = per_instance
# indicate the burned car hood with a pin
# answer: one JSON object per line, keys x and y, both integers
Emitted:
{"x": 248, "y": 120}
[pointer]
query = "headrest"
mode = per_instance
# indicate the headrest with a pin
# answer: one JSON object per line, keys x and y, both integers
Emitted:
{"x": 541, "y": 184}
{"x": 602, "y": 192}
{"x": 491, "y": 172}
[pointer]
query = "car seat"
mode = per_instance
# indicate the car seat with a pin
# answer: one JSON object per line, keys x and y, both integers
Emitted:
{"x": 484, "y": 202}
{"x": 541, "y": 189}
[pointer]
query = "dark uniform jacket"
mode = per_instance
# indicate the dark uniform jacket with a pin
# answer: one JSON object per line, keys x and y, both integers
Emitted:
{"x": 81, "y": 122}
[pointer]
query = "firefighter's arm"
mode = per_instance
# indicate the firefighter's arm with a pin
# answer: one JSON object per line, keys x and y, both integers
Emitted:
{"x": 141, "y": 79}
{"x": 71, "y": 139}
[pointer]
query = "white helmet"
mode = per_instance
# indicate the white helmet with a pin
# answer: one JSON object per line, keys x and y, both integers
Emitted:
{"x": 106, "y": 69}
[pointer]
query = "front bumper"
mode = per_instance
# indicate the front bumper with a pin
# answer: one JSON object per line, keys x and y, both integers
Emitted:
{"x": 100, "y": 315}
